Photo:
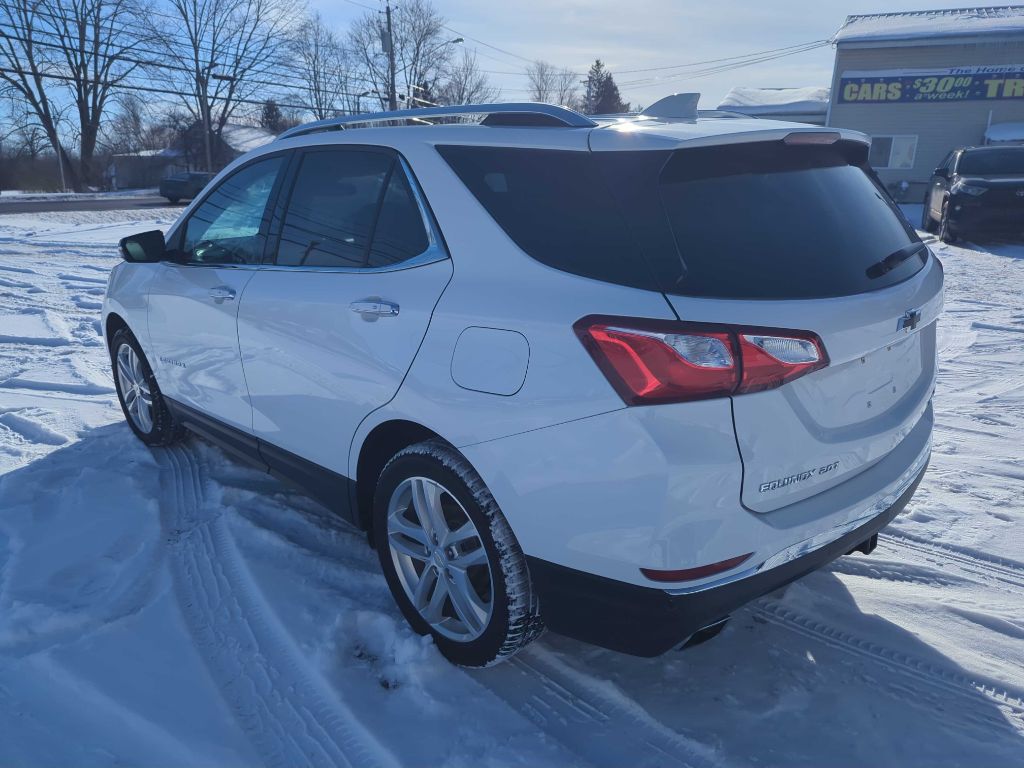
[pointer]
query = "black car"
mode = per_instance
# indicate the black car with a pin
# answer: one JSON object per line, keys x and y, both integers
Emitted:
{"x": 184, "y": 186}
{"x": 976, "y": 190}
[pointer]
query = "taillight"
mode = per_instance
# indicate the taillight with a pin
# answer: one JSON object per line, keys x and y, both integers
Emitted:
{"x": 661, "y": 361}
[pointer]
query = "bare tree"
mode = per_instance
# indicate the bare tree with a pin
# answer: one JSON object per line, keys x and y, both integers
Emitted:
{"x": 552, "y": 85}
{"x": 422, "y": 47}
{"x": 323, "y": 68}
{"x": 466, "y": 84}
{"x": 540, "y": 75}
{"x": 54, "y": 52}
{"x": 126, "y": 131}
{"x": 567, "y": 90}
{"x": 219, "y": 50}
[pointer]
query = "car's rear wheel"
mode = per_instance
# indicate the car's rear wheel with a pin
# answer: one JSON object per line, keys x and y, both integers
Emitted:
{"x": 144, "y": 406}
{"x": 452, "y": 563}
{"x": 172, "y": 200}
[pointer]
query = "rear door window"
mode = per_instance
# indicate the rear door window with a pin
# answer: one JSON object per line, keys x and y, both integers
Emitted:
{"x": 399, "y": 234}
{"x": 333, "y": 205}
{"x": 351, "y": 208}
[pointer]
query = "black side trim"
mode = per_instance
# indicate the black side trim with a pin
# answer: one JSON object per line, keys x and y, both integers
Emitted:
{"x": 645, "y": 621}
{"x": 238, "y": 443}
{"x": 332, "y": 490}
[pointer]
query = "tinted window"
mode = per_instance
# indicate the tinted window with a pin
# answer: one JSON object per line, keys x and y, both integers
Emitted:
{"x": 399, "y": 234}
{"x": 332, "y": 209}
{"x": 227, "y": 227}
{"x": 761, "y": 220}
{"x": 556, "y": 208}
{"x": 992, "y": 162}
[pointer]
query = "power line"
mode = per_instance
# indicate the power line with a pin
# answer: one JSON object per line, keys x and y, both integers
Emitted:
{"x": 714, "y": 61}
{"x": 648, "y": 82}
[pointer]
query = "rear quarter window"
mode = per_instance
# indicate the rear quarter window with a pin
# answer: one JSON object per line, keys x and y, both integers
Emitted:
{"x": 554, "y": 205}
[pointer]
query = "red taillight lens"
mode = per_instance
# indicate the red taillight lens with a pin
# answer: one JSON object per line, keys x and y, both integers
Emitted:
{"x": 657, "y": 361}
{"x": 700, "y": 572}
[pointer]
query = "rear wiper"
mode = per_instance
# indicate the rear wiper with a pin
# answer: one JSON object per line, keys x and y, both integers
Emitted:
{"x": 893, "y": 260}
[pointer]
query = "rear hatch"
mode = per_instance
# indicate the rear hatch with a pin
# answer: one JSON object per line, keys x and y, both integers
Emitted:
{"x": 801, "y": 237}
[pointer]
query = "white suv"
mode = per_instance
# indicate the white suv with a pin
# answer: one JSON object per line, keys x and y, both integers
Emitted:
{"x": 616, "y": 378}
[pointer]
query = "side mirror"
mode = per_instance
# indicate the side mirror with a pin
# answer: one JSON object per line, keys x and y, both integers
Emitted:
{"x": 145, "y": 247}
{"x": 942, "y": 173}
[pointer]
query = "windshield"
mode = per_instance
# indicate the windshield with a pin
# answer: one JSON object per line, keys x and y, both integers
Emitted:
{"x": 992, "y": 162}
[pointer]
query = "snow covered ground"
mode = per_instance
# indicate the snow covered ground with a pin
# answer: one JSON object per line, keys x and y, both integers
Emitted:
{"x": 172, "y": 607}
{"x": 23, "y": 196}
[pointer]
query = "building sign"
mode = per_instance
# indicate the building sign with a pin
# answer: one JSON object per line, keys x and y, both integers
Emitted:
{"x": 920, "y": 85}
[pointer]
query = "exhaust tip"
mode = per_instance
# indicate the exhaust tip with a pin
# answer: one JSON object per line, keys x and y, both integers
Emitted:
{"x": 704, "y": 634}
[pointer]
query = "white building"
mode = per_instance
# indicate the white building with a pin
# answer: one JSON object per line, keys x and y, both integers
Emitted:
{"x": 923, "y": 83}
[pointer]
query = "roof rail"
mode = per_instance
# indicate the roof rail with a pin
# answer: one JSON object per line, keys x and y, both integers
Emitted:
{"x": 563, "y": 115}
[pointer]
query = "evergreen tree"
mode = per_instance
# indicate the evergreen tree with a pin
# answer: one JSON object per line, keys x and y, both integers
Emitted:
{"x": 271, "y": 117}
{"x": 602, "y": 95}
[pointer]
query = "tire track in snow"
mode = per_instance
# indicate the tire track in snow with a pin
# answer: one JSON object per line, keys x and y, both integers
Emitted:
{"x": 990, "y": 569}
{"x": 922, "y": 681}
{"x": 602, "y": 726}
{"x": 289, "y": 713}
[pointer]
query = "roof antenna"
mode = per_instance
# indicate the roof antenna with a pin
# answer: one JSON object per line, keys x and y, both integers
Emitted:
{"x": 678, "y": 106}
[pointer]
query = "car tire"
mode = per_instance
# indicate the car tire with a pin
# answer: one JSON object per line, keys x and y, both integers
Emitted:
{"x": 927, "y": 222}
{"x": 450, "y": 558}
{"x": 172, "y": 200}
{"x": 151, "y": 421}
{"x": 946, "y": 233}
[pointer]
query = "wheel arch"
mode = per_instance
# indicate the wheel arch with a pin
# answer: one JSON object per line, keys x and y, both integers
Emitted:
{"x": 112, "y": 324}
{"x": 380, "y": 444}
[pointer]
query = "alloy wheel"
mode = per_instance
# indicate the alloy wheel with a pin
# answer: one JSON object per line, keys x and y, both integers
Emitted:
{"x": 440, "y": 559}
{"x": 135, "y": 391}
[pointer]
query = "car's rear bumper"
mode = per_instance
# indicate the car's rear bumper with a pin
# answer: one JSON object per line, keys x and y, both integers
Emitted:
{"x": 645, "y": 621}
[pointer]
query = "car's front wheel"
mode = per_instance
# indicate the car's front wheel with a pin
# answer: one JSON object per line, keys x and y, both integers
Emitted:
{"x": 450, "y": 558}
{"x": 927, "y": 223}
{"x": 946, "y": 233}
{"x": 144, "y": 407}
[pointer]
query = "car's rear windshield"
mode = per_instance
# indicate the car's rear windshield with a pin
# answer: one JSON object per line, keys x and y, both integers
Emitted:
{"x": 761, "y": 220}
{"x": 992, "y": 162}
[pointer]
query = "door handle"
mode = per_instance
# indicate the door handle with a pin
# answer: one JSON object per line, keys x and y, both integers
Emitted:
{"x": 374, "y": 308}
{"x": 222, "y": 293}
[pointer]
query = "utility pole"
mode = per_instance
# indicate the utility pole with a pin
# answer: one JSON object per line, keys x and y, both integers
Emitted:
{"x": 204, "y": 108}
{"x": 392, "y": 96}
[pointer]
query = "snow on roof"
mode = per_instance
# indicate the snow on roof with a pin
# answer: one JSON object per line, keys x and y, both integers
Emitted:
{"x": 923, "y": 25}
{"x": 776, "y": 101}
{"x": 1005, "y": 132}
{"x": 243, "y": 138}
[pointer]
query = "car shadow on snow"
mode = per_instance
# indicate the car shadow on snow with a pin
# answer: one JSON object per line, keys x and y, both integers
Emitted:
{"x": 807, "y": 678}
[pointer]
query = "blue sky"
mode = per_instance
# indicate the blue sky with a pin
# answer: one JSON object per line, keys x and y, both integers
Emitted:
{"x": 634, "y": 34}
